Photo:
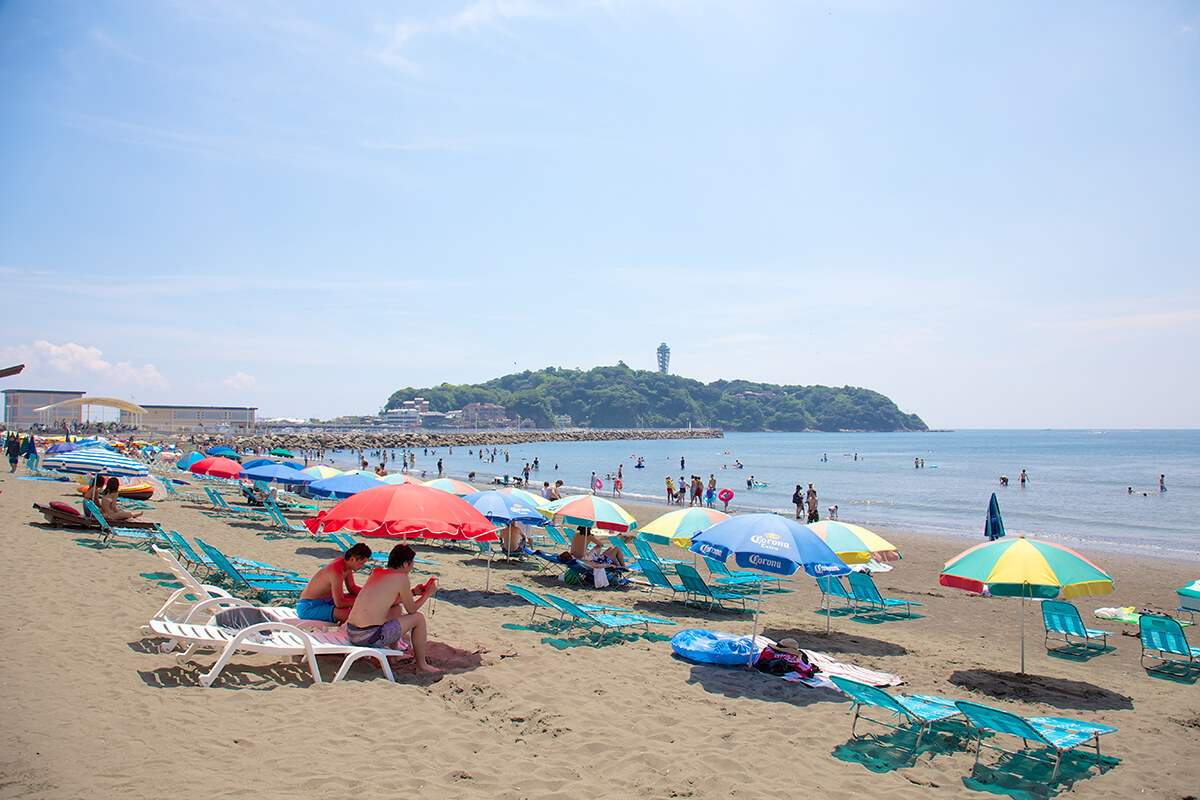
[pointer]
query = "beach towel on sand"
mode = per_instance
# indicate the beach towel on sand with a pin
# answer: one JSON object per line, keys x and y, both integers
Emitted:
{"x": 827, "y": 666}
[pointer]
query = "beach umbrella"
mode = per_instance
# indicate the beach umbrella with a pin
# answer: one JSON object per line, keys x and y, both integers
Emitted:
{"x": 191, "y": 458}
{"x": 1025, "y": 568}
{"x": 406, "y": 510}
{"x": 258, "y": 462}
{"x": 216, "y": 467}
{"x": 679, "y": 526}
{"x": 592, "y": 511}
{"x": 853, "y": 543}
{"x": 95, "y": 459}
{"x": 452, "y": 486}
{"x": 399, "y": 477}
{"x": 278, "y": 473}
{"x": 528, "y": 497}
{"x": 61, "y": 447}
{"x": 281, "y": 451}
{"x": 504, "y": 508}
{"x": 771, "y": 544}
{"x": 993, "y": 526}
{"x": 319, "y": 471}
{"x": 343, "y": 486}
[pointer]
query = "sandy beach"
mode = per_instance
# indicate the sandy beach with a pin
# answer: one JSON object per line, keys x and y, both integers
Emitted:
{"x": 93, "y": 709}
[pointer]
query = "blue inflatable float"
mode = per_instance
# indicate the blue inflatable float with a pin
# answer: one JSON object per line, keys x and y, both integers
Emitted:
{"x": 712, "y": 647}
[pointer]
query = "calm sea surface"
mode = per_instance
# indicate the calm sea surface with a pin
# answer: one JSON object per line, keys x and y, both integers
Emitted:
{"x": 1077, "y": 493}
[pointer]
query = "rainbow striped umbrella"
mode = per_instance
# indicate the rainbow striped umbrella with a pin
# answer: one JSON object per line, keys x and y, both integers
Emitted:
{"x": 1025, "y": 568}
{"x": 592, "y": 511}
{"x": 679, "y": 526}
{"x": 529, "y": 497}
{"x": 452, "y": 486}
{"x": 854, "y": 544}
{"x": 320, "y": 471}
{"x": 399, "y": 477}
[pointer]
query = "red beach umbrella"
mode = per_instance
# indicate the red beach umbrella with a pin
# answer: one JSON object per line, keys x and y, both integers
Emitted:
{"x": 217, "y": 467}
{"x": 405, "y": 510}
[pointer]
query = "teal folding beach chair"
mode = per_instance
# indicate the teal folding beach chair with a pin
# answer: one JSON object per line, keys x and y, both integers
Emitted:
{"x": 266, "y": 584}
{"x": 281, "y": 522}
{"x": 696, "y": 588}
{"x": 657, "y": 579}
{"x": 831, "y": 590}
{"x": 866, "y": 594}
{"x": 1163, "y": 639}
{"x": 921, "y": 710}
{"x": 194, "y": 559}
{"x": 1059, "y": 734}
{"x": 558, "y": 536}
{"x": 646, "y": 553}
{"x": 108, "y": 531}
{"x": 1062, "y": 620}
{"x": 607, "y": 621}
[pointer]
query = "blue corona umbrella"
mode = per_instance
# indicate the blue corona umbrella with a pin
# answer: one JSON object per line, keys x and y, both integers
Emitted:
{"x": 95, "y": 459}
{"x": 224, "y": 452}
{"x": 771, "y": 544}
{"x": 258, "y": 462}
{"x": 278, "y": 473}
{"x": 993, "y": 526}
{"x": 505, "y": 508}
{"x": 343, "y": 486}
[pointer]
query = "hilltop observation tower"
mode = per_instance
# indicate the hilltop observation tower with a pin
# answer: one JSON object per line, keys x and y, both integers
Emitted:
{"x": 664, "y": 358}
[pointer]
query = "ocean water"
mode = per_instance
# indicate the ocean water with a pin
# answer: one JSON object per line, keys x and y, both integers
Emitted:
{"x": 1077, "y": 493}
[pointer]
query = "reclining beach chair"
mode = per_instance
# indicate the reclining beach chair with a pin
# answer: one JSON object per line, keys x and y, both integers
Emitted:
{"x": 832, "y": 589}
{"x": 658, "y": 579}
{"x": 862, "y": 587}
{"x": 281, "y": 522}
{"x": 1059, "y": 734}
{"x": 265, "y": 584}
{"x": 921, "y": 710}
{"x": 646, "y": 553}
{"x": 146, "y": 533}
{"x": 1062, "y": 619}
{"x": 272, "y": 638}
{"x": 695, "y": 587}
{"x": 194, "y": 599}
{"x": 1163, "y": 639}
{"x": 744, "y": 580}
{"x": 538, "y": 602}
{"x": 607, "y": 620}
{"x": 558, "y": 536}
{"x": 174, "y": 494}
{"x": 223, "y": 507}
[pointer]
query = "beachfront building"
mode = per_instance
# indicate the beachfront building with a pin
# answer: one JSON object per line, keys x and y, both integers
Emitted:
{"x": 194, "y": 419}
{"x": 405, "y": 417}
{"x": 562, "y": 420}
{"x": 21, "y": 408}
{"x": 483, "y": 415}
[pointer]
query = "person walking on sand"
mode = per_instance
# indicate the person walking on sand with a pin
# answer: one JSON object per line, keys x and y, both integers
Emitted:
{"x": 387, "y": 608}
{"x": 798, "y": 499}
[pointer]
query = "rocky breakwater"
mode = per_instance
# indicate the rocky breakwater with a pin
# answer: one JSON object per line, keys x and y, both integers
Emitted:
{"x": 372, "y": 440}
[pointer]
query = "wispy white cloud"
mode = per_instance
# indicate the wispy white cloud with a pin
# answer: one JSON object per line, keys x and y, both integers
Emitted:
{"x": 82, "y": 363}
{"x": 239, "y": 380}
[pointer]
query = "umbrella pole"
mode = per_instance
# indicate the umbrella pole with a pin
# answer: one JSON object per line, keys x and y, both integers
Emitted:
{"x": 1022, "y": 630}
{"x": 757, "y": 609}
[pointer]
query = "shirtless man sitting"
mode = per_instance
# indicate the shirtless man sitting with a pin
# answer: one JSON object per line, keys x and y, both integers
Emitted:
{"x": 591, "y": 551}
{"x": 330, "y": 594}
{"x": 387, "y": 609}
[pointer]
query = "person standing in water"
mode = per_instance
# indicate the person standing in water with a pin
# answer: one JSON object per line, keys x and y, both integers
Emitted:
{"x": 1024, "y": 477}
{"x": 1162, "y": 483}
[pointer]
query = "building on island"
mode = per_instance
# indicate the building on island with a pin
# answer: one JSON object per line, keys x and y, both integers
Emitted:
{"x": 483, "y": 414}
{"x": 21, "y": 408}
{"x": 664, "y": 358}
{"x": 194, "y": 419}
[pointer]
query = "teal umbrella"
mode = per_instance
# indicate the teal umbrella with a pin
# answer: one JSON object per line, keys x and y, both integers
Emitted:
{"x": 993, "y": 526}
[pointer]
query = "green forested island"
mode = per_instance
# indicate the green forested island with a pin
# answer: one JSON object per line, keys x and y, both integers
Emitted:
{"x": 620, "y": 397}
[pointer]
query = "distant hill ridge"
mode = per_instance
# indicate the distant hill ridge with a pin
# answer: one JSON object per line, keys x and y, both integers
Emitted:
{"x": 620, "y": 397}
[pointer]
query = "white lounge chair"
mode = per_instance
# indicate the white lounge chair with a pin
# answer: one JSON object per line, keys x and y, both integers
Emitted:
{"x": 273, "y": 638}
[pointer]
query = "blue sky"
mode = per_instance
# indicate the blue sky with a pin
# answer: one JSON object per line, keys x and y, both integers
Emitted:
{"x": 986, "y": 211}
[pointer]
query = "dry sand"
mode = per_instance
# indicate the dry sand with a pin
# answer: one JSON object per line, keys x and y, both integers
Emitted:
{"x": 92, "y": 709}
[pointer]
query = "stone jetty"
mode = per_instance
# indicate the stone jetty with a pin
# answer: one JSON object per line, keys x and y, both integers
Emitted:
{"x": 376, "y": 440}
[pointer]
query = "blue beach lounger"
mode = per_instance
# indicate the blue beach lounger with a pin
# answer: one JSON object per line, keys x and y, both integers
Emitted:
{"x": 865, "y": 593}
{"x": 921, "y": 710}
{"x": 1062, "y": 620}
{"x": 1059, "y": 734}
{"x": 832, "y": 589}
{"x": 1164, "y": 639}
{"x": 607, "y": 620}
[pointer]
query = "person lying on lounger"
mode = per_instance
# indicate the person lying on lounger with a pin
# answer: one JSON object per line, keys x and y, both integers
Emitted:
{"x": 330, "y": 594}
{"x": 387, "y": 607}
{"x": 108, "y": 503}
{"x": 784, "y": 657}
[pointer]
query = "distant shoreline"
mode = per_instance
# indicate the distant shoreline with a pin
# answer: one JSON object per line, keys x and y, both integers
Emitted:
{"x": 392, "y": 439}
